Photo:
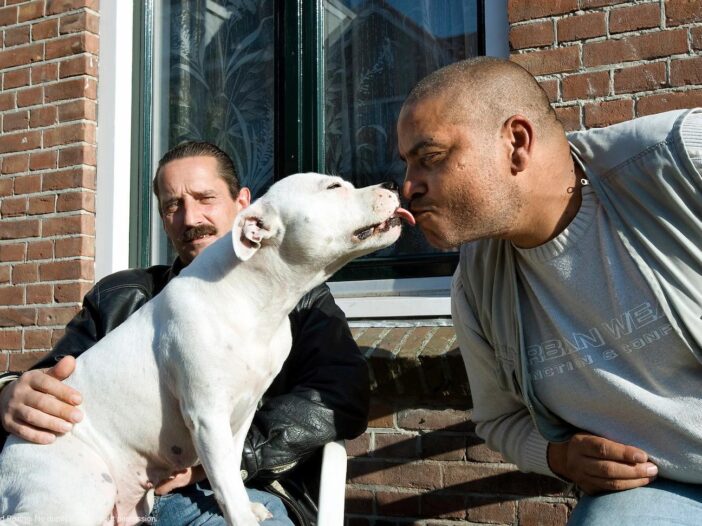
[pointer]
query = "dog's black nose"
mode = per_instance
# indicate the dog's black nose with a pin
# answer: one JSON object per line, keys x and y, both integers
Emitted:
{"x": 390, "y": 185}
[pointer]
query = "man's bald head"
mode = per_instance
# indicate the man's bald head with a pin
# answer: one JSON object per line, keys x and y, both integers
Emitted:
{"x": 487, "y": 91}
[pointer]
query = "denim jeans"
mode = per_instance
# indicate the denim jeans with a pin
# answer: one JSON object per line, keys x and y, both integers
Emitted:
{"x": 662, "y": 502}
{"x": 195, "y": 505}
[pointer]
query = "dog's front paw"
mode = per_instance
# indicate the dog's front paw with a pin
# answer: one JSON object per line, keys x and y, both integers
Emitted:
{"x": 260, "y": 511}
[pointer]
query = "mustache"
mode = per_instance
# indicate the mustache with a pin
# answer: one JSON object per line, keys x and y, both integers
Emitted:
{"x": 198, "y": 231}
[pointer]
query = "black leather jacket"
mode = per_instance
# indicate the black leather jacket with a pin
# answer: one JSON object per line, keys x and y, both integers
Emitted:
{"x": 320, "y": 395}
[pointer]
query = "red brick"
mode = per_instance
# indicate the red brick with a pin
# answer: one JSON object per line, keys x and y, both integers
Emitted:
{"x": 14, "y": 316}
{"x": 608, "y": 112}
{"x": 82, "y": 109}
{"x": 55, "y": 315}
{"x": 477, "y": 451}
{"x": 437, "y": 446}
{"x": 44, "y": 73}
{"x": 40, "y": 293}
{"x": 397, "y": 504}
{"x": 81, "y": 21}
{"x": 18, "y": 120}
{"x": 7, "y": 101}
{"x": 81, "y": 65}
{"x": 43, "y": 249}
{"x": 72, "y": 45}
{"x": 415, "y": 475}
{"x": 19, "y": 142}
{"x": 31, "y": 10}
{"x": 42, "y": 116}
{"x": 586, "y": 85}
{"x": 66, "y": 270}
{"x": 668, "y": 101}
{"x": 686, "y": 71}
{"x": 37, "y": 339}
{"x": 54, "y": 7}
{"x": 356, "y": 501}
{"x": 14, "y": 207}
{"x": 71, "y": 89}
{"x": 66, "y": 225}
{"x": 56, "y": 334}
{"x": 28, "y": 184}
{"x": 71, "y": 292}
{"x": 486, "y": 510}
{"x": 19, "y": 229}
{"x": 25, "y": 273}
{"x": 15, "y": 78}
{"x": 590, "y": 4}
{"x": 72, "y": 201}
{"x": 13, "y": 164}
{"x": 396, "y": 445}
{"x": 5, "y": 273}
{"x": 519, "y": 10}
{"x": 682, "y": 12}
{"x": 381, "y": 415}
{"x": 538, "y": 513}
{"x": 5, "y": 187}
{"x": 79, "y": 154}
{"x": 12, "y": 251}
{"x": 543, "y": 62}
{"x": 635, "y": 17}
{"x": 646, "y": 46}
{"x": 70, "y": 133}
{"x": 30, "y": 96}
{"x": 45, "y": 29}
{"x": 434, "y": 419}
{"x": 83, "y": 177}
{"x": 359, "y": 446}
{"x": 24, "y": 360}
{"x": 645, "y": 77}
{"x": 43, "y": 160}
{"x": 10, "y": 340}
{"x": 581, "y": 26}
{"x": 443, "y": 505}
{"x": 534, "y": 34}
{"x": 43, "y": 204}
{"x": 75, "y": 246}
{"x": 550, "y": 86}
{"x": 8, "y": 16}
{"x": 16, "y": 36}
{"x": 21, "y": 56}
{"x": 696, "y": 34}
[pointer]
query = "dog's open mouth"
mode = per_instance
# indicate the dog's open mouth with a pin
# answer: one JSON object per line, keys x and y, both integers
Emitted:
{"x": 379, "y": 228}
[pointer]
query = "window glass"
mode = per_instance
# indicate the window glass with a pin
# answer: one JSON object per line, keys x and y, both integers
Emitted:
{"x": 374, "y": 53}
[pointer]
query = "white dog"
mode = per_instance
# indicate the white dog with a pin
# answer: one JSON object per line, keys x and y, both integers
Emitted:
{"x": 193, "y": 362}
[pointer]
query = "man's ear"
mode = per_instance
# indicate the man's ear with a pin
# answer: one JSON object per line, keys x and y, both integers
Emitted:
{"x": 252, "y": 225}
{"x": 520, "y": 133}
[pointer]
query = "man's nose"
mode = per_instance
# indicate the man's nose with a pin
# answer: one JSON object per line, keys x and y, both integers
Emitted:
{"x": 411, "y": 188}
{"x": 191, "y": 214}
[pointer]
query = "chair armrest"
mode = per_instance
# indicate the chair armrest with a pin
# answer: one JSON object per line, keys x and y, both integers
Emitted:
{"x": 332, "y": 485}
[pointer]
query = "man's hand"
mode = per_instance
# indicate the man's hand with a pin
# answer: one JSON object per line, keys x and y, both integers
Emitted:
{"x": 596, "y": 464}
{"x": 181, "y": 479}
{"x": 38, "y": 406}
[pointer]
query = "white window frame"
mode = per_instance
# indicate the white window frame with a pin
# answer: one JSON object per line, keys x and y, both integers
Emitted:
{"x": 114, "y": 137}
{"x": 425, "y": 297}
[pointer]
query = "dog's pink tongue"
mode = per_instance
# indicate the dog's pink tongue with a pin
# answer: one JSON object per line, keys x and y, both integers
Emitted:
{"x": 406, "y": 215}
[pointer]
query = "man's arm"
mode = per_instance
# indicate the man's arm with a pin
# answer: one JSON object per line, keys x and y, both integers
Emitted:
{"x": 320, "y": 395}
{"x": 593, "y": 463}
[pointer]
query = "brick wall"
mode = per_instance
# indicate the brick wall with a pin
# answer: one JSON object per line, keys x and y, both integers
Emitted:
{"x": 48, "y": 70}
{"x": 607, "y": 61}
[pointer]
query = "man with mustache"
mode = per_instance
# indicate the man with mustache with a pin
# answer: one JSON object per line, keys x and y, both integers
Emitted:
{"x": 578, "y": 297}
{"x": 320, "y": 395}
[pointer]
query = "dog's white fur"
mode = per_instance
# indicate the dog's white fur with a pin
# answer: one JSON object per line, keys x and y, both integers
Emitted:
{"x": 177, "y": 384}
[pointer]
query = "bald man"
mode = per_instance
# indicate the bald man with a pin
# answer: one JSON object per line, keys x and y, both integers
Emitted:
{"x": 577, "y": 301}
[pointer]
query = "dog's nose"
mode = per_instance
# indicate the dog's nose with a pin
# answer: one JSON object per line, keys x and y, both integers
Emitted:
{"x": 390, "y": 185}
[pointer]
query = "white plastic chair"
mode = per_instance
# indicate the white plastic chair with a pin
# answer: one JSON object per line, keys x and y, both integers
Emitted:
{"x": 332, "y": 485}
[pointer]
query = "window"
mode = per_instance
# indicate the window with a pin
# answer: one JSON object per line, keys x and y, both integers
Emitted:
{"x": 297, "y": 85}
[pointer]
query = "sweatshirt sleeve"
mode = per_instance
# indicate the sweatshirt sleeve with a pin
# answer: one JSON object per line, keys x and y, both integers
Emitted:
{"x": 501, "y": 418}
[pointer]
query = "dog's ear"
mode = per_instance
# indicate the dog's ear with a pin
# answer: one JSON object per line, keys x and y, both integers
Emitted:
{"x": 252, "y": 225}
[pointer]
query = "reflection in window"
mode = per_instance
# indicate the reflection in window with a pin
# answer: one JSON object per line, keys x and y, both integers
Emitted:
{"x": 220, "y": 80}
{"x": 375, "y": 52}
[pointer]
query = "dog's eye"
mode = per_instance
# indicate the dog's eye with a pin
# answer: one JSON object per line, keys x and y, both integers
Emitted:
{"x": 334, "y": 185}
